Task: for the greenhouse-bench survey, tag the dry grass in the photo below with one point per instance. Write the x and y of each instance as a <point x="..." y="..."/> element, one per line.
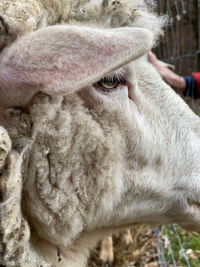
<point x="138" y="254"/>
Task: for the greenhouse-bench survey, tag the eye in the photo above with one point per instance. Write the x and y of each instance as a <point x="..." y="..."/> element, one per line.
<point x="108" y="84"/>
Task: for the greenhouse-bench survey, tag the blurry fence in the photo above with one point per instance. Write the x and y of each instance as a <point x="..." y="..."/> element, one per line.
<point x="180" y="46"/>
<point x="171" y="253"/>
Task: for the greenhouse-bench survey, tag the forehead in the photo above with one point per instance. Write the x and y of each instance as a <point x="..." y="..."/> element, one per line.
<point x="123" y="71"/>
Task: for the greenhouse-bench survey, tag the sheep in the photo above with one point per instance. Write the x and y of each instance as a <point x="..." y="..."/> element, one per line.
<point x="93" y="140"/>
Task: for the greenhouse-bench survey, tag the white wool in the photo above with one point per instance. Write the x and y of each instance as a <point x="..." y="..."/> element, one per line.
<point x="22" y="16"/>
<point x="94" y="160"/>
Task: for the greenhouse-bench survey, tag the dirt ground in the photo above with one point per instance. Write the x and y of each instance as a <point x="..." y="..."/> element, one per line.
<point x="141" y="253"/>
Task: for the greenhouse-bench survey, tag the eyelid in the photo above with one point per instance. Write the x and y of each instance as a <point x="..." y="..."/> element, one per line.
<point x="119" y="77"/>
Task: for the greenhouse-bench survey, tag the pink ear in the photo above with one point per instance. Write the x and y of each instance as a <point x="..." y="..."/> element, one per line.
<point x="62" y="59"/>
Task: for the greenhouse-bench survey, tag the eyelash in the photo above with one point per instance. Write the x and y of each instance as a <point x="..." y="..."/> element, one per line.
<point x="117" y="78"/>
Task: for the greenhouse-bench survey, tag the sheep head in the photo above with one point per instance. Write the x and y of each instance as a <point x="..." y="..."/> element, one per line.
<point x="105" y="142"/>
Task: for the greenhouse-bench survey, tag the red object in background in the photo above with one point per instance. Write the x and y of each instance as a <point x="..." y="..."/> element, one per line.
<point x="196" y="76"/>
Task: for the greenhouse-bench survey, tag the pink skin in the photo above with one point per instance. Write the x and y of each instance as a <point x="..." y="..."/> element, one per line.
<point x="174" y="80"/>
<point x="35" y="63"/>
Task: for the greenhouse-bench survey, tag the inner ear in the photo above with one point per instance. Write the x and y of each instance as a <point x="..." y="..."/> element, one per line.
<point x="62" y="59"/>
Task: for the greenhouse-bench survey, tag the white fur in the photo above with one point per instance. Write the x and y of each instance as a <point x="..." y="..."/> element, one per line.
<point x="87" y="162"/>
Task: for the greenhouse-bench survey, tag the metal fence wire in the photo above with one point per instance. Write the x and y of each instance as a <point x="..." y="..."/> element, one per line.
<point x="179" y="46"/>
<point x="180" y="249"/>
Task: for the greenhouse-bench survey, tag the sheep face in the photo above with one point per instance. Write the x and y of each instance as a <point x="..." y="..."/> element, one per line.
<point x="106" y="152"/>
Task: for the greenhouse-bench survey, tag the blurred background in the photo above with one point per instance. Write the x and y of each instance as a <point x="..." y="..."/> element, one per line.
<point x="180" y="42"/>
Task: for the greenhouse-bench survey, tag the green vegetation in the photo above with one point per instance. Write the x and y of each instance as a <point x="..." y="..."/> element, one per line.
<point x="190" y="242"/>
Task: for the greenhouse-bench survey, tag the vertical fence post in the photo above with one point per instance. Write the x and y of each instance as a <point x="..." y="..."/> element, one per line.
<point x="161" y="253"/>
<point x="197" y="54"/>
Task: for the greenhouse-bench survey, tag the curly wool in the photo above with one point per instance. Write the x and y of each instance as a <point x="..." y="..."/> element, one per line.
<point x="117" y="13"/>
<point x="22" y="16"/>
<point x="59" y="185"/>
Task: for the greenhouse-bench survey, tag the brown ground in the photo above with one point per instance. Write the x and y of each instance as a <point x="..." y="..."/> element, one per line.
<point x="141" y="253"/>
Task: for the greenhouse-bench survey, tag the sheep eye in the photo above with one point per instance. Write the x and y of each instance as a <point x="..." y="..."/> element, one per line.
<point x="109" y="83"/>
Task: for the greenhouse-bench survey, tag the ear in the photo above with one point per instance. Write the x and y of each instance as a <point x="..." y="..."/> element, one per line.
<point x="62" y="59"/>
